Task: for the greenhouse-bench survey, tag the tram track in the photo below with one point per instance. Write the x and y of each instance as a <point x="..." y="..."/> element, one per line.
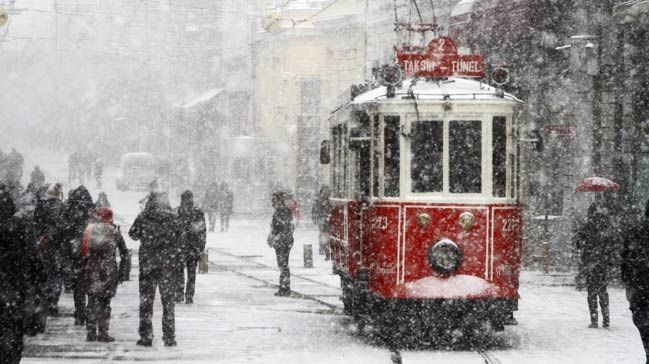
<point x="395" y="354"/>
<point x="233" y="269"/>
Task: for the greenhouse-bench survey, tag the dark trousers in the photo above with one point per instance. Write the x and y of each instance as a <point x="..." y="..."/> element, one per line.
<point x="98" y="312"/>
<point x="79" y="302"/>
<point x="282" y="253"/>
<point x="211" y="218"/>
<point x="598" y="290"/>
<point x="191" y="264"/>
<point x="225" y="222"/>
<point x="150" y="279"/>
<point x="639" y="307"/>
<point x="55" y="285"/>
<point x="11" y="335"/>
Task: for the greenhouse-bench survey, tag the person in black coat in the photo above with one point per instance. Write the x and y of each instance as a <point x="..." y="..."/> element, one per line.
<point x="21" y="274"/>
<point x="635" y="275"/>
<point x="211" y="203"/>
<point x="192" y="240"/>
<point x="598" y="240"/>
<point x="158" y="231"/>
<point x="50" y="227"/>
<point x="77" y="212"/>
<point x="281" y="239"/>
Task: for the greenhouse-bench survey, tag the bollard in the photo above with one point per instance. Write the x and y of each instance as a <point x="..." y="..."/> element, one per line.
<point x="545" y="258"/>
<point x="202" y="262"/>
<point x="308" y="256"/>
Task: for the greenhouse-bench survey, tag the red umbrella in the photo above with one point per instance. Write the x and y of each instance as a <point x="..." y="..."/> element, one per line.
<point x="597" y="184"/>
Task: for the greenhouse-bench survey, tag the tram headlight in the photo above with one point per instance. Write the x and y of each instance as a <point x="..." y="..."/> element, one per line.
<point x="445" y="256"/>
<point x="466" y="221"/>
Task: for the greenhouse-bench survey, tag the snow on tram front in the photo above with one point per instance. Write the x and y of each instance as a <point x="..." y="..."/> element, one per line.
<point x="426" y="223"/>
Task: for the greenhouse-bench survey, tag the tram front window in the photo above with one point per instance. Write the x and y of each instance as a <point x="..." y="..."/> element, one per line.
<point x="427" y="161"/>
<point x="465" y="156"/>
<point x="391" y="156"/>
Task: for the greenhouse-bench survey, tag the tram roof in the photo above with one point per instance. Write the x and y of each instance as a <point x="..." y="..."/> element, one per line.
<point x="448" y="89"/>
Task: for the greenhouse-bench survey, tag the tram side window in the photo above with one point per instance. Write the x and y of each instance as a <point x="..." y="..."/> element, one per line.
<point x="376" y="152"/>
<point x="427" y="161"/>
<point x="465" y="156"/>
<point x="499" y="156"/>
<point x="391" y="156"/>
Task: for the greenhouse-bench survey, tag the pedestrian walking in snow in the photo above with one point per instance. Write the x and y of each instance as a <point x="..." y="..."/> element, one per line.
<point x="597" y="239"/>
<point x="50" y="227"/>
<point x="98" y="171"/>
<point x="100" y="273"/>
<point x="192" y="240"/>
<point x="14" y="163"/>
<point x="211" y="203"/>
<point x="74" y="167"/>
<point x="37" y="178"/>
<point x="158" y="230"/>
<point x="281" y="239"/>
<point x="226" y="203"/>
<point x="77" y="211"/>
<point x="320" y="213"/>
<point x="102" y="200"/>
<point x="635" y="275"/>
<point x="22" y="281"/>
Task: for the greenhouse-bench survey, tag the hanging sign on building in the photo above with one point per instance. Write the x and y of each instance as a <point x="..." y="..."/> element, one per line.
<point x="562" y="131"/>
<point x="439" y="59"/>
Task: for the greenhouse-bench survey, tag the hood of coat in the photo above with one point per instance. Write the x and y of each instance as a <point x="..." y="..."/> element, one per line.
<point x="81" y="196"/>
<point x="157" y="201"/>
<point x="187" y="200"/>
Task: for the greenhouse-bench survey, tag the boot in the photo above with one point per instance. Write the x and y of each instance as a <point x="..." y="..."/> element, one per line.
<point x="104" y="324"/>
<point x="606" y="319"/>
<point x="170" y="342"/>
<point x="144" y="341"/>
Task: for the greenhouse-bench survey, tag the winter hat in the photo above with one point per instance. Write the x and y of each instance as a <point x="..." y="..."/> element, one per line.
<point x="104" y="214"/>
<point x="54" y="192"/>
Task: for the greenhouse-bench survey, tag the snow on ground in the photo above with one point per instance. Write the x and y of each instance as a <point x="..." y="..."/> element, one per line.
<point x="236" y="319"/>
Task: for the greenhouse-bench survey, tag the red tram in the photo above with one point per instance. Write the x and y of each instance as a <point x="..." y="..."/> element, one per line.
<point x="426" y="221"/>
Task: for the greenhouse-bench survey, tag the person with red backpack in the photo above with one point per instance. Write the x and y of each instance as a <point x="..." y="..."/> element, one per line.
<point x="100" y="274"/>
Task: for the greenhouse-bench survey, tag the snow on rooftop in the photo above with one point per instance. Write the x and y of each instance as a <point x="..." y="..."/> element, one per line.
<point x="453" y="89"/>
<point x="206" y="96"/>
<point x="464" y="7"/>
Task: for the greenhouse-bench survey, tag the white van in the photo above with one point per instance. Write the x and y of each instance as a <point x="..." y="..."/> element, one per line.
<point x="136" y="171"/>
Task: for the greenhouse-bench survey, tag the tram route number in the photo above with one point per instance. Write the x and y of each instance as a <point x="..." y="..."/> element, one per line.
<point x="511" y="224"/>
<point x="380" y="222"/>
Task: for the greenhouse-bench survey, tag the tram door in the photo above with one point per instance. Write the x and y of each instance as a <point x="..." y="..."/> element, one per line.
<point x="360" y="174"/>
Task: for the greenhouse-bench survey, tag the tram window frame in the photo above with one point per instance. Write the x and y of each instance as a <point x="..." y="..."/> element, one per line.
<point x="376" y="156"/>
<point x="500" y="161"/>
<point x="459" y="156"/>
<point x="418" y="183"/>
<point x="392" y="156"/>
<point x="359" y="158"/>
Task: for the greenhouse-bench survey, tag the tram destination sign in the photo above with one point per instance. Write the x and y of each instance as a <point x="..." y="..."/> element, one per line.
<point x="439" y="59"/>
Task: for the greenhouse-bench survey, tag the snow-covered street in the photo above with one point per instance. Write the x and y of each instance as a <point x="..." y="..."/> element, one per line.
<point x="236" y="318"/>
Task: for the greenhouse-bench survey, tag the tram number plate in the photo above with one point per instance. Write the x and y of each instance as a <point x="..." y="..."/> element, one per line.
<point x="380" y="222"/>
<point x="511" y="224"/>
